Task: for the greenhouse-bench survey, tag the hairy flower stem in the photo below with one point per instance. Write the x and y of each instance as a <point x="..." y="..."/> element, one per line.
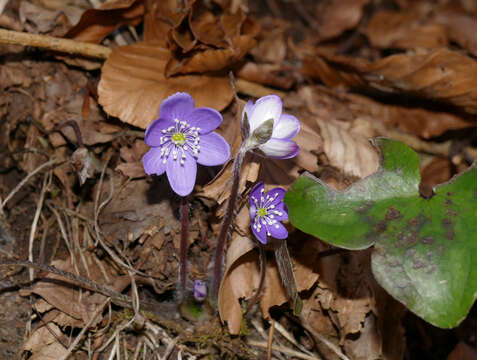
<point x="183" y="247"/>
<point x="227" y="223"/>
<point x="285" y="269"/>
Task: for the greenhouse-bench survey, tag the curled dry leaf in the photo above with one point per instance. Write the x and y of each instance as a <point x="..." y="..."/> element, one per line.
<point x="338" y="16"/>
<point x="330" y="104"/>
<point x="96" y="24"/>
<point x="133" y="84"/>
<point x="242" y="277"/>
<point x="66" y="298"/>
<point x="44" y="345"/>
<point x="405" y="30"/>
<point x="211" y="59"/>
<point x="442" y="75"/>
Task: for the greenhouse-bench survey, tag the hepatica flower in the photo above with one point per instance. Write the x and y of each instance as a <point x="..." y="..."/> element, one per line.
<point x="182" y="137"/>
<point x="268" y="130"/>
<point x="267" y="210"/>
<point x="200" y="290"/>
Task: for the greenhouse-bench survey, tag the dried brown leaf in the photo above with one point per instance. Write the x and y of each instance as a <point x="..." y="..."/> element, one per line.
<point x="43" y="344"/>
<point x="442" y="75"/>
<point x="330" y="104"/>
<point x="211" y="60"/>
<point x="96" y="24"/>
<point x="133" y="84"/>
<point x="242" y="277"/>
<point x="405" y="30"/>
<point x="206" y="26"/>
<point x="337" y="16"/>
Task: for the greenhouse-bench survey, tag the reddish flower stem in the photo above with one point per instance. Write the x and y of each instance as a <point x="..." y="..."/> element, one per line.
<point x="183" y="246"/>
<point x="227" y="223"/>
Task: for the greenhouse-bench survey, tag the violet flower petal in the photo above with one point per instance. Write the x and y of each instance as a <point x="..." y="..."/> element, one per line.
<point x="278" y="231"/>
<point x="280" y="149"/>
<point x="176" y="106"/>
<point x="153" y="163"/>
<point x="200" y="290"/>
<point x="280" y="193"/>
<point x="257" y="189"/>
<point x="265" y="108"/>
<point x="182" y="176"/>
<point x="154" y="133"/>
<point x="260" y="234"/>
<point x="214" y="150"/>
<point x="207" y="119"/>
<point x="283" y="212"/>
<point x="288" y="126"/>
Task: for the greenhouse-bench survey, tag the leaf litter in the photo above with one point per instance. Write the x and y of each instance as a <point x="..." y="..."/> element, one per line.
<point x="349" y="71"/>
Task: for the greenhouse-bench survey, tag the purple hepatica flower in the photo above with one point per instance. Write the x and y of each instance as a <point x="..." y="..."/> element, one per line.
<point x="182" y="137"/>
<point x="267" y="210"/>
<point x="200" y="290"/>
<point x="268" y="130"/>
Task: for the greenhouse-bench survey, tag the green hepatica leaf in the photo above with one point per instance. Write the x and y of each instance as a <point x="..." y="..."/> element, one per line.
<point x="425" y="250"/>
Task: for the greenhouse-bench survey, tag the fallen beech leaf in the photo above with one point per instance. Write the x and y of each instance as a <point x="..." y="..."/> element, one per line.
<point x="272" y="46"/>
<point x="44" y="345"/>
<point x="337" y="16"/>
<point x="206" y="26"/>
<point x="242" y="277"/>
<point x="347" y="150"/>
<point x="133" y="85"/>
<point x="211" y="59"/>
<point x="461" y="27"/>
<point x="96" y="24"/>
<point x="442" y="75"/>
<point x="406" y="30"/>
<point x="267" y="74"/>
<point x="330" y="104"/>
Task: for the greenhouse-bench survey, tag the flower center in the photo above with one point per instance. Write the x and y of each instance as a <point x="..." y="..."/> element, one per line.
<point x="262" y="212"/>
<point x="179" y="139"/>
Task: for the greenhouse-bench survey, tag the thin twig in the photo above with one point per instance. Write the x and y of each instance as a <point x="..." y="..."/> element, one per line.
<point x="34" y="224"/>
<point x="284" y="350"/>
<point x="53" y="43"/>
<point x="324" y="340"/>
<point x="271" y="333"/>
<point x="183" y="247"/>
<point x="28" y="177"/>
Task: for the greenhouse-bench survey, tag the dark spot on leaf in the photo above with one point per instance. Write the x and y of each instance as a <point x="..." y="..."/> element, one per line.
<point x="447" y="222"/>
<point x="392" y="213"/>
<point x="475" y="193"/>
<point x="427" y="240"/>
<point x="449" y="193"/>
<point x="381" y="226"/>
<point x="418" y="264"/>
<point x="450" y="235"/>
<point x="363" y="209"/>
<point x="417" y="222"/>
<point x="448" y="202"/>
<point x="411" y="238"/>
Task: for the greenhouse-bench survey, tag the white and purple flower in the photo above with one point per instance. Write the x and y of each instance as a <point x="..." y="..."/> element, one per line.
<point x="180" y="138"/>
<point x="200" y="290"/>
<point x="268" y="130"/>
<point x="267" y="210"/>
